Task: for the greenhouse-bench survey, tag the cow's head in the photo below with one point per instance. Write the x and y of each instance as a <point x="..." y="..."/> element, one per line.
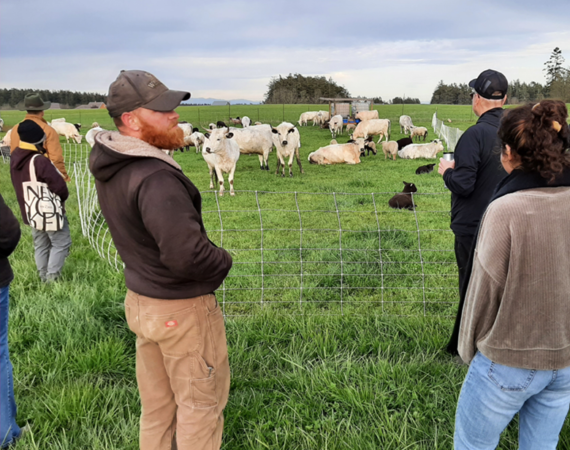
<point x="282" y="134"/>
<point x="215" y="141"/>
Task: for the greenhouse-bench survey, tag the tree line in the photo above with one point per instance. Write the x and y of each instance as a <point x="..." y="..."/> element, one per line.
<point x="15" y="97"/>
<point x="459" y="94"/>
<point x="557" y="86"/>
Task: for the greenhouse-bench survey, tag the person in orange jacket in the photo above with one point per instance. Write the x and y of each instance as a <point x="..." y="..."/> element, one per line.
<point x="35" y="107"/>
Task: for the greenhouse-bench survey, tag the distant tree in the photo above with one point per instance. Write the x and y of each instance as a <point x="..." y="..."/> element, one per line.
<point x="405" y="100"/>
<point x="554" y="67"/>
<point x="15" y="97"/>
<point x="560" y="87"/>
<point x="298" y="88"/>
<point x="378" y="101"/>
<point x="451" y="94"/>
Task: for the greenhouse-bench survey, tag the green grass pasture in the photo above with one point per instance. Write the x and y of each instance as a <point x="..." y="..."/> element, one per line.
<point x="367" y="379"/>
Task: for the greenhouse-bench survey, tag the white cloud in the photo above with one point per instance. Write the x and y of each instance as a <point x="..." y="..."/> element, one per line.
<point x="235" y="52"/>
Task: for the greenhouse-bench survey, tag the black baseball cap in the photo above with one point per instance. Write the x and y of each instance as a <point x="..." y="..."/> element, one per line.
<point x="139" y="89"/>
<point x="490" y="84"/>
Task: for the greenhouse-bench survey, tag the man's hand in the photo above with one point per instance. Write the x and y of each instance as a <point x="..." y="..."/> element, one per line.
<point x="444" y="165"/>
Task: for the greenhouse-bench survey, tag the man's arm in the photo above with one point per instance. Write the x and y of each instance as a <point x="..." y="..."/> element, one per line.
<point x="47" y="173"/>
<point x="170" y="217"/>
<point x="461" y="179"/>
<point x="54" y="151"/>
<point x="9" y="230"/>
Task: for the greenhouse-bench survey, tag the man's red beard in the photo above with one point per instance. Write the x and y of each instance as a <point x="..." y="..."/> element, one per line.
<point x="162" y="138"/>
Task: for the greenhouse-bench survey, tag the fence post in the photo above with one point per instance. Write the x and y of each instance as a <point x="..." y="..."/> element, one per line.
<point x="283" y="112"/>
<point x="199" y="121"/>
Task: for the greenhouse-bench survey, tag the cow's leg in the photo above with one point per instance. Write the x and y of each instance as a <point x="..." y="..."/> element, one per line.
<point x="220" y="179"/>
<point x="211" y="177"/>
<point x="231" y="179"/>
<point x="266" y="158"/>
<point x="290" y="165"/>
<point x="260" y="161"/>
<point x="277" y="169"/>
<point x="299" y="159"/>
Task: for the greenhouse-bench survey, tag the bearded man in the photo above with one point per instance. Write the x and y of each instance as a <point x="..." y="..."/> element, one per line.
<point x="182" y="369"/>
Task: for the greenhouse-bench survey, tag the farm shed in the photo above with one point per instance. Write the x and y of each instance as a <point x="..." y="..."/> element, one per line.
<point x="220" y="103"/>
<point x="348" y="107"/>
<point x="92" y="105"/>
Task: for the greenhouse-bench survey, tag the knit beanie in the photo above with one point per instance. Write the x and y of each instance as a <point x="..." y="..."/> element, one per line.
<point x="31" y="132"/>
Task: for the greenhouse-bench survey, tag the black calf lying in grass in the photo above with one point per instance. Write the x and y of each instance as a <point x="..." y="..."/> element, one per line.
<point x="425" y="169"/>
<point x="403" y="142"/>
<point x="404" y="199"/>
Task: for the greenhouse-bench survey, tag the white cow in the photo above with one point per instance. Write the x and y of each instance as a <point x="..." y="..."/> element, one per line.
<point x="367" y="115"/>
<point x="61" y="119"/>
<point x="405" y="124"/>
<point x="339" y="154"/>
<point x="414" y="151"/>
<point x="335" y="125"/>
<point x="197" y="139"/>
<point x="90" y="136"/>
<point x="245" y="121"/>
<point x="221" y="153"/>
<point x="255" y="140"/>
<point x="67" y="130"/>
<point x="1" y="124"/>
<point x="287" y="141"/>
<point x="306" y="116"/>
<point x="374" y="127"/>
<point x="322" y="117"/>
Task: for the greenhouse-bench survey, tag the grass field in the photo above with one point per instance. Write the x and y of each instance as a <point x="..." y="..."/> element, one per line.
<point x="358" y="381"/>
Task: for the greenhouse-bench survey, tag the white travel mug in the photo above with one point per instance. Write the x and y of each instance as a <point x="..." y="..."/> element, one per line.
<point x="448" y="156"/>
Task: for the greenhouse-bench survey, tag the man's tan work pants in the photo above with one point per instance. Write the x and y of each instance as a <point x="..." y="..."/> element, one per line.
<point x="183" y="371"/>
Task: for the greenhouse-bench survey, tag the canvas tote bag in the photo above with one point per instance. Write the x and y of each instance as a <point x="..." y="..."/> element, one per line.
<point x="43" y="207"/>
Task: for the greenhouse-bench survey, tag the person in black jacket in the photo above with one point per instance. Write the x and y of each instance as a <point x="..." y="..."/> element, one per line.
<point x="476" y="170"/>
<point x="51" y="248"/>
<point x="9" y="238"/>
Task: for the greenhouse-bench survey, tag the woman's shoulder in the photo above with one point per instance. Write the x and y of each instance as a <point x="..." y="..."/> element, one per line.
<point x="539" y="200"/>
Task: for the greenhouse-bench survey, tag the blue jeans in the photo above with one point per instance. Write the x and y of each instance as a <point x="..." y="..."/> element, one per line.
<point x="491" y="396"/>
<point x="9" y="430"/>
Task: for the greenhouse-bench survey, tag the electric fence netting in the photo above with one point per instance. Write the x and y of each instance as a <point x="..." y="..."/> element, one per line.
<point x="317" y="253"/>
<point x="448" y="134"/>
<point x="72" y="153"/>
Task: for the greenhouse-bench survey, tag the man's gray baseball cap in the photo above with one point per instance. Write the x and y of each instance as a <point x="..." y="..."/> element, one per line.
<point x="139" y="89"/>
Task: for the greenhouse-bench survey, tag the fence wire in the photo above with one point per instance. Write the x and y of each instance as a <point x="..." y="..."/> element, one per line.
<point x="448" y="134"/>
<point x="315" y="253"/>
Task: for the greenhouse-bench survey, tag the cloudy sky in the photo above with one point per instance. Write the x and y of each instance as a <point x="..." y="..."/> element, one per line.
<point x="231" y="49"/>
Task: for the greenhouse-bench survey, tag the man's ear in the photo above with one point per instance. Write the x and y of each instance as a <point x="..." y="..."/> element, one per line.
<point x="131" y="121"/>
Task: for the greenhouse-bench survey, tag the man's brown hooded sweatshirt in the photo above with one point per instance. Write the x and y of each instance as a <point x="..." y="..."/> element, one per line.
<point x="51" y="144"/>
<point x="154" y="215"/>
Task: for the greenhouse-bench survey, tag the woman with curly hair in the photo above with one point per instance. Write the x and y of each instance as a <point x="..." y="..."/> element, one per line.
<point x="515" y="329"/>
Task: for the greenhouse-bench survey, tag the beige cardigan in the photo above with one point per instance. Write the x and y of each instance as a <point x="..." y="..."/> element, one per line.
<point x="517" y="307"/>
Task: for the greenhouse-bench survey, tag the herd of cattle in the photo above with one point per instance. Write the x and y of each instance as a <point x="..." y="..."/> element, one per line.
<point x="221" y="144"/>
